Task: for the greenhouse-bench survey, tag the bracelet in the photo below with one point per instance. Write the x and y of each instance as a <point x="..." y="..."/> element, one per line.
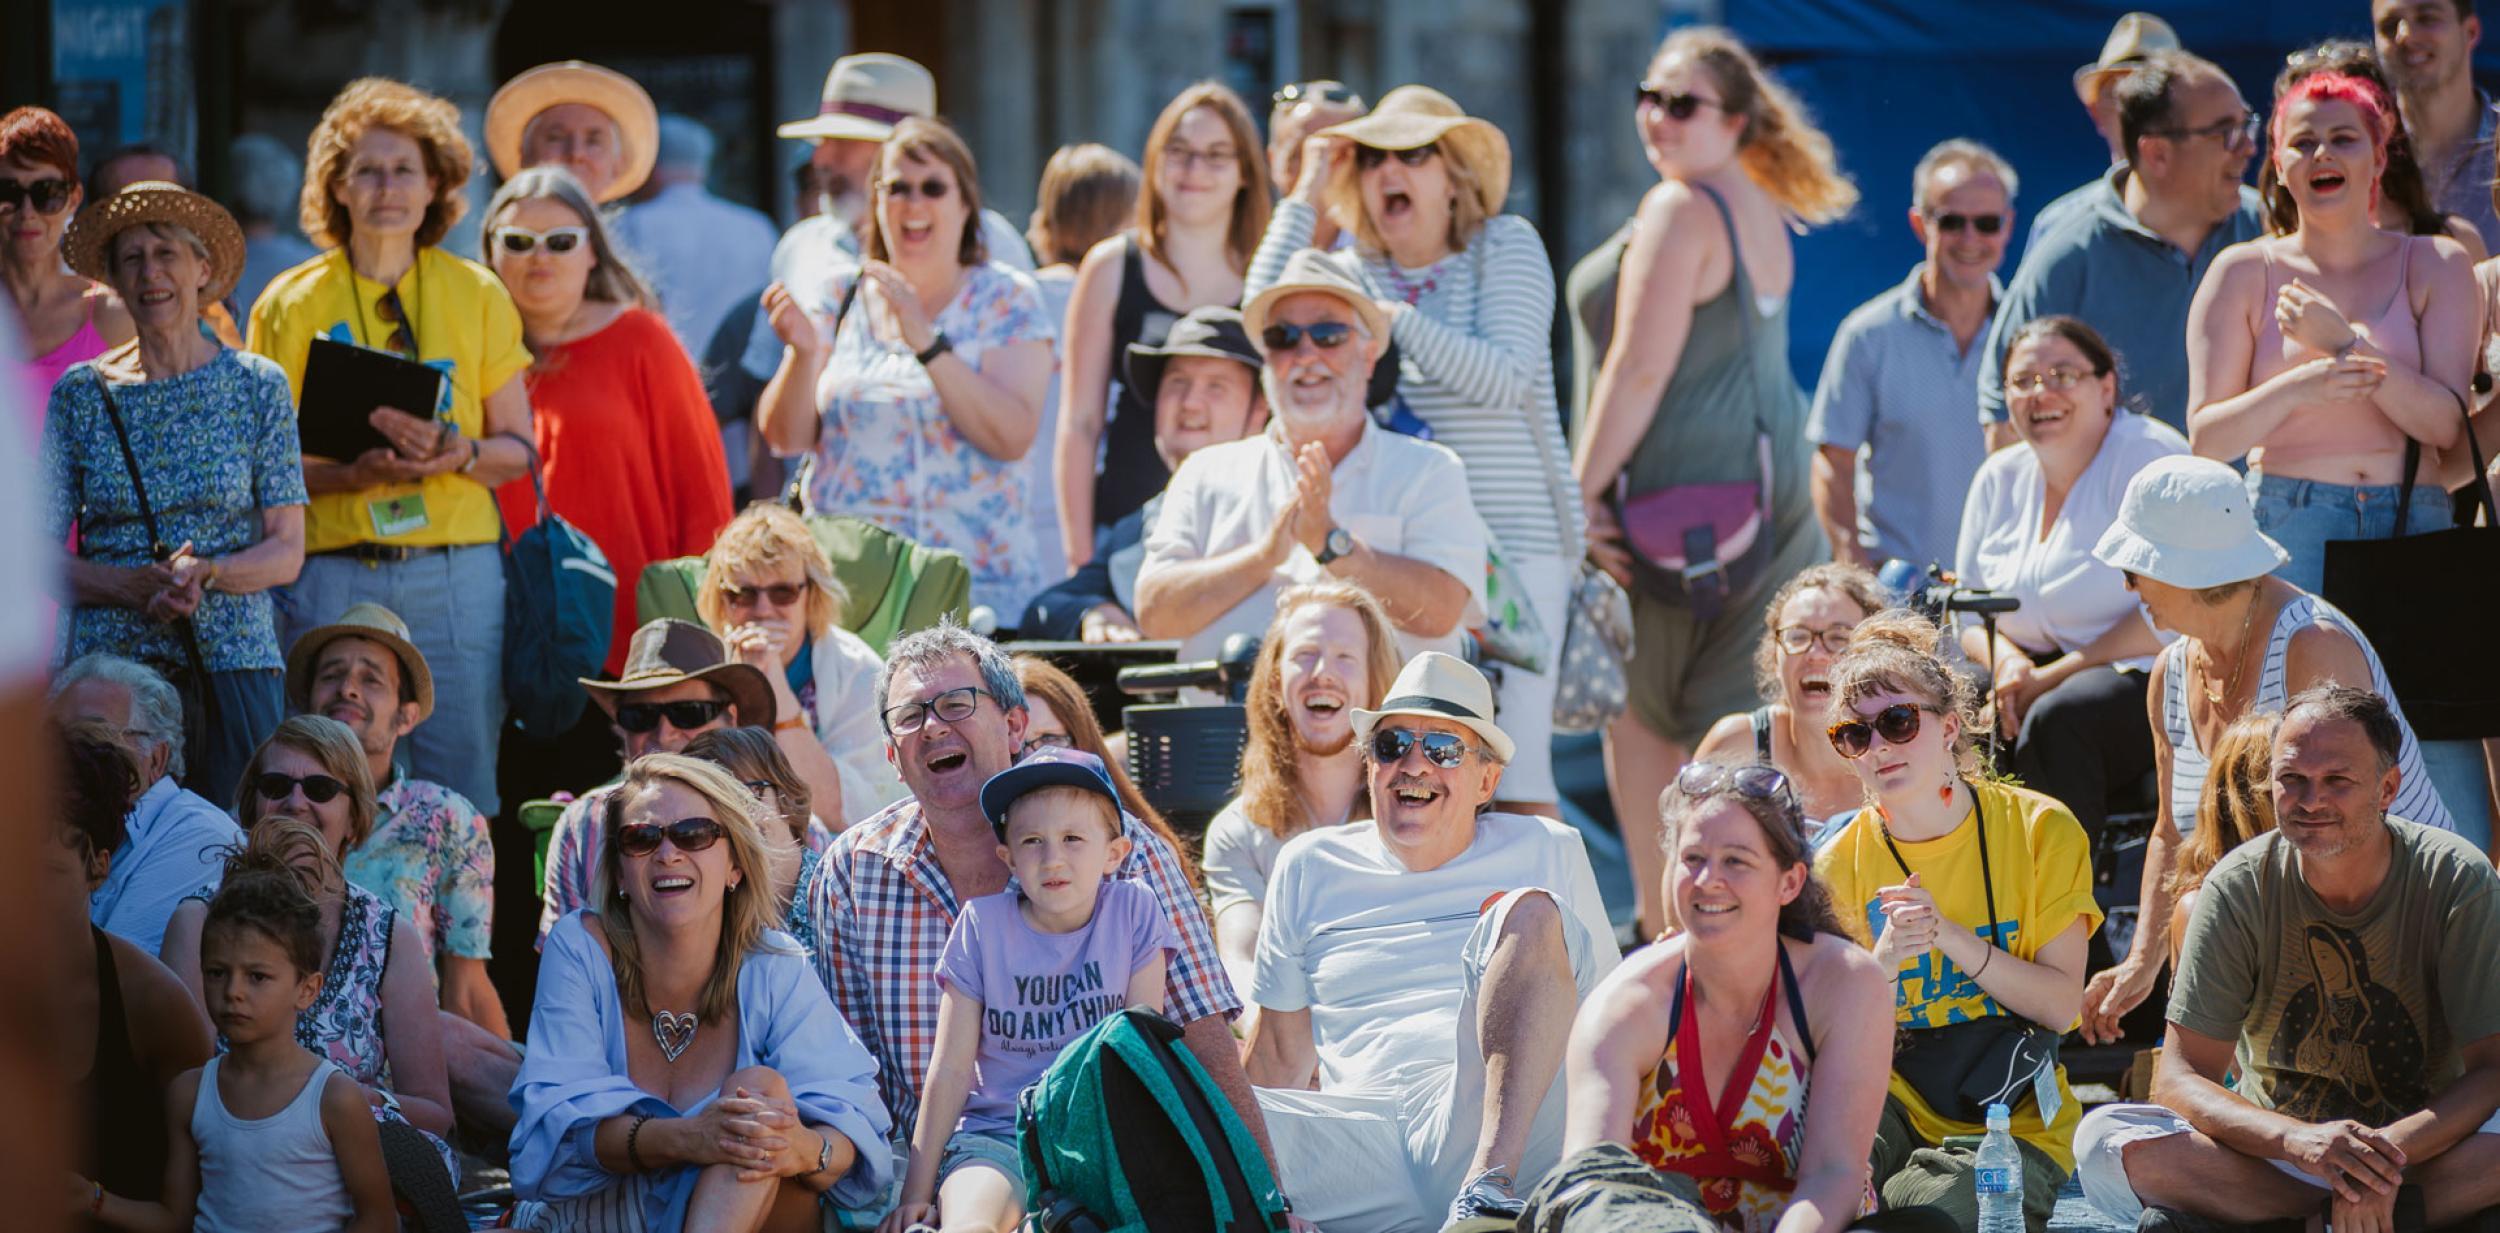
<point x="477" y="448"/>
<point x="1990" y="957"/>
<point x="792" y="724"/>
<point x="633" y="1154"/>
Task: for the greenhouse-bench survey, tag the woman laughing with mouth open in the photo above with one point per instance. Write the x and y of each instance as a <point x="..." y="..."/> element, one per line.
<point x="1804" y="630"/>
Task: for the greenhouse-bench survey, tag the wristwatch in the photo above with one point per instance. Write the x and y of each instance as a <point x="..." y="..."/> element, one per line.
<point x="1340" y="543"/>
<point x="938" y="346"/>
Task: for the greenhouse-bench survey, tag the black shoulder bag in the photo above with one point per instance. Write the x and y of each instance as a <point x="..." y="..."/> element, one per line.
<point x="201" y="699"/>
<point x="1962" y="1068"/>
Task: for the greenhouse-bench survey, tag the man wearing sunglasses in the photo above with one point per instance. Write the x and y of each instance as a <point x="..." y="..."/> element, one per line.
<point x="1417" y="975"/>
<point x="1902" y="380"/>
<point x="678" y="683"/>
<point x="1323" y="493"/>
<point x="2127" y="258"/>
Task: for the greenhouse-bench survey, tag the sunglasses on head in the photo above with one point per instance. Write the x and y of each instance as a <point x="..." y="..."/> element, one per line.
<point x="1984" y="224"/>
<point x="689" y="834"/>
<point x="1298" y="91"/>
<point x="1368" y="157"/>
<point x="518" y="240"/>
<point x="1677" y="106"/>
<point x="684" y="716"/>
<point x="783" y="594"/>
<point x="47" y="196"/>
<point x="319" y="789"/>
<point x="931" y="189"/>
<point x="1325" y="335"/>
<point x="1754" y="781"/>
<point x="1442" y="749"/>
<point x="1898" y="724"/>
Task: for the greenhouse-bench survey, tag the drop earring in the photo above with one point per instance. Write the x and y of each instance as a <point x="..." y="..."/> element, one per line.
<point x="1944" y="794"/>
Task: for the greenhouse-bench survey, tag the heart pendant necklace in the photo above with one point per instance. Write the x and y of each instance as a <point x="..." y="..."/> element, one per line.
<point x="674" y="1031"/>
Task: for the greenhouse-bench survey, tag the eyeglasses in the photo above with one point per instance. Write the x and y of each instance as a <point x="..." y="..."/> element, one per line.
<point x="319" y="789"/>
<point x="2060" y="379"/>
<point x="2234" y="133"/>
<point x="1042" y="740"/>
<point x="1898" y="724"/>
<point x="931" y="189"/>
<point x="685" y="716"/>
<point x="1325" y="335"/>
<point x="1952" y="224"/>
<point x="953" y="706"/>
<point x="1794" y="639"/>
<point x="1754" y="780"/>
<point x="1442" y="749"/>
<point x="47" y="196"/>
<point x="517" y="240"/>
<point x="783" y="594"/>
<point x="689" y="834"/>
<point x="1188" y="158"/>
<point x="1368" y="157"/>
<point x="1330" y="92"/>
<point x="1677" y="106"/>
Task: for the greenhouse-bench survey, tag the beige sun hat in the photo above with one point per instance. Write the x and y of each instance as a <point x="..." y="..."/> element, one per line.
<point x="156" y="201"/>
<point x="1412" y="116"/>
<point x="865" y="96"/>
<point x="1437" y="686"/>
<point x="2136" y="36"/>
<point x="509" y="113"/>
<point x="1312" y="270"/>
<point x="373" y="623"/>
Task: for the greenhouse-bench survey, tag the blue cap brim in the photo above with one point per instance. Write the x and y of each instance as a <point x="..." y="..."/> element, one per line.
<point x="1003" y="788"/>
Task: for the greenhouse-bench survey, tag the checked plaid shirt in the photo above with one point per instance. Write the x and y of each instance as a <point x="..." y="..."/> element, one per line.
<point x="881" y="910"/>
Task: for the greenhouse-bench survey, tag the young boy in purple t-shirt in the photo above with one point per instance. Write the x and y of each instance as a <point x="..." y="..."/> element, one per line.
<point x="1026" y="971"/>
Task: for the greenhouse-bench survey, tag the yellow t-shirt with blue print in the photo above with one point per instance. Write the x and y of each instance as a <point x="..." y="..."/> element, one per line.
<point x="2042" y="867"/>
<point x="465" y="326"/>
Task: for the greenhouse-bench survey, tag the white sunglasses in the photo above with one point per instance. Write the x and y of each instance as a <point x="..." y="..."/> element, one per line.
<point x="558" y="240"/>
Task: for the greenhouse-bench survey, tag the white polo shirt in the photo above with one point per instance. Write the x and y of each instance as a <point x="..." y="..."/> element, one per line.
<point x="1394" y="493"/>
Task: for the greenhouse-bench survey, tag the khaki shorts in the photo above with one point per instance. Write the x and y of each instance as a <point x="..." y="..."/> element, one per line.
<point x="1684" y="673"/>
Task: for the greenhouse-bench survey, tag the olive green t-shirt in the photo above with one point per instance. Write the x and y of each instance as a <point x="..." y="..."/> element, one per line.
<point x="2345" y="1015"/>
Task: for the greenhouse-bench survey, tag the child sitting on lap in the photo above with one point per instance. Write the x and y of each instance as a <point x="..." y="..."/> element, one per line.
<point x="1027" y="971"/>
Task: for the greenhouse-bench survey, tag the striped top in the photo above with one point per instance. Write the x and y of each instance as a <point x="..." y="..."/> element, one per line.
<point x="1475" y="360"/>
<point x="2417" y="799"/>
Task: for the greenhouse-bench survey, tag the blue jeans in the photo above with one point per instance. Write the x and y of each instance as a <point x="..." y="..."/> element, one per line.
<point x="453" y="604"/>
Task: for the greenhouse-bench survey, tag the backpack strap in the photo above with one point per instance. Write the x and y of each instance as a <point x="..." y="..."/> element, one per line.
<point x="1761" y="720"/>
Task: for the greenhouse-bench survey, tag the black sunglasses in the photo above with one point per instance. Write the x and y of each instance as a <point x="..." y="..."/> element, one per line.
<point x="931" y="189"/>
<point x="1898" y="724"/>
<point x="689" y="834"/>
<point x="1442" y="749"/>
<point x="1368" y="157"/>
<point x="783" y="594"/>
<point x="1332" y="92"/>
<point x="1984" y="224"/>
<point x="1325" y="335"/>
<point x="319" y="789"/>
<point x="48" y="196"/>
<point x="684" y="716"/>
<point x="1677" y="106"/>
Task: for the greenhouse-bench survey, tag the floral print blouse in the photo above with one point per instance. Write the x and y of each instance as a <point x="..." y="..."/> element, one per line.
<point x="429" y="857"/>
<point x="887" y="453"/>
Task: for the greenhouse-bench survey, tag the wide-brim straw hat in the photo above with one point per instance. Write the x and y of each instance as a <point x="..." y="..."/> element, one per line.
<point x="1312" y="270"/>
<point x="865" y="96"/>
<point x="90" y="238"/>
<point x="373" y="623"/>
<point x="2189" y="522"/>
<point x="2136" y="36"/>
<point x="1412" y="116"/>
<point x="667" y="652"/>
<point x="509" y="113"/>
<point x="1437" y="686"/>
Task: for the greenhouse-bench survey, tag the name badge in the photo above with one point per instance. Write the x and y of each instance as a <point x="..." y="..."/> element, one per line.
<point x="393" y="516"/>
<point x="2044" y="1090"/>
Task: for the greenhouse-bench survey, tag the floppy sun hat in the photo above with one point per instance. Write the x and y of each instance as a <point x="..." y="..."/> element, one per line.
<point x="1412" y="116"/>
<point x="1311" y="270"/>
<point x="615" y="95"/>
<point x="2188" y="522"/>
<point x="90" y="238"/>
<point x="865" y="96"/>
<point x="373" y="623"/>
<point x="1437" y="686"/>
<point x="1051" y="766"/>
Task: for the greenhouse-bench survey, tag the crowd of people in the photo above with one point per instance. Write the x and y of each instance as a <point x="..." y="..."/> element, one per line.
<point x="819" y="901"/>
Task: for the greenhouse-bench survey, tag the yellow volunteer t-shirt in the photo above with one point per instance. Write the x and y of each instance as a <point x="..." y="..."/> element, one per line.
<point x="2042" y="867"/>
<point x="464" y="324"/>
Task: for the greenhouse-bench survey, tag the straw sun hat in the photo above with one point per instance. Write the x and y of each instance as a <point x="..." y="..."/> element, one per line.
<point x="1412" y="116"/>
<point x="614" y="94"/>
<point x="156" y="201"/>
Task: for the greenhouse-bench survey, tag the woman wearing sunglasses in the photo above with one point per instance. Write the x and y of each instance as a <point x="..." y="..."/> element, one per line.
<point x="915" y="385"/>
<point x="1805" y="628"/>
<point x="1469" y="295"/>
<point x="1724" y="1068"/>
<point x="1701" y="276"/>
<point x="376" y="1018"/>
<point x="1976" y="897"/>
<point x="2070" y="662"/>
<point x="626" y="441"/>
<point x="686" y="1069"/>
<point x="409" y="523"/>
<point x="64" y="318"/>
<point x="1201" y="207"/>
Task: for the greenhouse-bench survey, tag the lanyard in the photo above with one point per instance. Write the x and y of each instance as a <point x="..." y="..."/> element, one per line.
<point x="407" y="319"/>
<point x="1987" y="881"/>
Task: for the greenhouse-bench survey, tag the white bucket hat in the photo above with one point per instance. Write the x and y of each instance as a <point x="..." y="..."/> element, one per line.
<point x="1437" y="686"/>
<point x="865" y="97"/>
<point x="2188" y="522"/>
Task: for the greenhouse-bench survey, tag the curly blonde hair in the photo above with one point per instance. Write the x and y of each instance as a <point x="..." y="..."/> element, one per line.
<point x="1897" y="651"/>
<point x="366" y="104"/>
<point x="765" y="537"/>
<point x="1780" y="148"/>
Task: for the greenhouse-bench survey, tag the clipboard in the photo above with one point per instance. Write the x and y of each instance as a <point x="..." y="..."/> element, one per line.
<point x="344" y="383"/>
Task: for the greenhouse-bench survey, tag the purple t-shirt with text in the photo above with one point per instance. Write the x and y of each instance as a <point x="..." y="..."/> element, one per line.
<point x="1039" y="991"/>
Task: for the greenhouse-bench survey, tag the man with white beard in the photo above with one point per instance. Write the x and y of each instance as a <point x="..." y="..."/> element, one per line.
<point x="1323" y="493"/>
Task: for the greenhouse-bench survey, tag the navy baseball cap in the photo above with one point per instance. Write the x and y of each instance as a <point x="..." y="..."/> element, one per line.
<point x="1048" y="767"/>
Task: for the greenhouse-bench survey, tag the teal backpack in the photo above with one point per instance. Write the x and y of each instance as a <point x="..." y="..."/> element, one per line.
<point x="1126" y="1133"/>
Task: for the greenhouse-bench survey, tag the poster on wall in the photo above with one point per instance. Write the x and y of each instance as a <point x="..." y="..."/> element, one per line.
<point x="122" y="71"/>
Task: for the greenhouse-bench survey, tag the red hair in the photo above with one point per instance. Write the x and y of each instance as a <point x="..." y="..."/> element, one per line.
<point x="2362" y="93"/>
<point x="37" y="135"/>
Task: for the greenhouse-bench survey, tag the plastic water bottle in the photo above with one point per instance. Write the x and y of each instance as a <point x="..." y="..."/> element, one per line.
<point x="2000" y="1176"/>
